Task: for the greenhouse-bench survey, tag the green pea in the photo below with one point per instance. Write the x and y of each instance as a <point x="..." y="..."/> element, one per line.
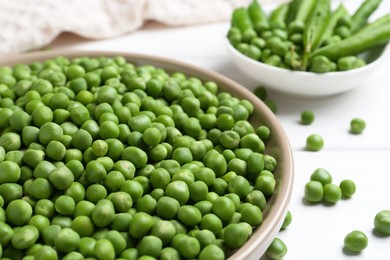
<point x="41" y="188"/>
<point x="314" y="191"/>
<point x="55" y="150"/>
<point x="6" y="233"/>
<point x="164" y="230"/>
<point x="211" y="222"/>
<point x="287" y="220"/>
<point x="46" y="252"/>
<point x="252" y="215"/>
<point x="277" y="250"/>
<point x="235" y="235"/>
<point x="169" y="253"/>
<point x="50" y="132"/>
<point x="96" y="192"/>
<point x="141" y="224"/>
<point x="357" y="126"/>
<point x="25" y="237"/>
<point x="135" y="155"/>
<point x="332" y="193"/>
<point x="19" y="119"/>
<point x="10" y="141"/>
<point x="382" y="222"/>
<point x="179" y="191"/>
<point x="355" y="241"/>
<point x="65" y="205"/>
<point x="265" y="184"/>
<point x="95" y="171"/>
<point x="314" y="142"/>
<point x="321" y="175"/>
<point x="84" y="208"/>
<point x="307" y="117"/>
<point x="61" y="178"/>
<point x="150" y="245"/>
<point x="9" y="172"/>
<point x="187" y="246"/>
<point x="167" y="207"/>
<point x="211" y="252"/>
<point x="103" y="214"/>
<point x="18" y="212"/>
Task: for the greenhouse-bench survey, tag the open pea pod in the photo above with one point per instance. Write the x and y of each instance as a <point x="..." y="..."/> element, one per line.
<point x="315" y="28"/>
<point x="340" y="12"/>
<point x="299" y="13"/>
<point x="371" y="35"/>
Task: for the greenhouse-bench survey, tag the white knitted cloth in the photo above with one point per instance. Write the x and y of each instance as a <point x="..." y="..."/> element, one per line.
<point x="31" y="24"/>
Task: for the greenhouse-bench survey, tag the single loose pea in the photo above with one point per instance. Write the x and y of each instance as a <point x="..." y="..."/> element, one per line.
<point x="357" y="126"/>
<point x="287" y="220"/>
<point x="356" y="241"/>
<point x="321" y="175"/>
<point x="332" y="193"/>
<point x="277" y="250"/>
<point x="382" y="222"/>
<point x="314" y="142"/>
<point x="314" y="191"/>
<point x="307" y="117"/>
<point x="348" y="188"/>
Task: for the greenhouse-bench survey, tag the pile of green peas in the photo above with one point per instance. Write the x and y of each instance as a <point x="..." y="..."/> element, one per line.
<point x="100" y="158"/>
<point x="307" y="35"/>
<point x="320" y="187"/>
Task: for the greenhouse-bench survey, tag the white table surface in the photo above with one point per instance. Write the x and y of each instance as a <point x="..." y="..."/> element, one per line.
<point x="317" y="231"/>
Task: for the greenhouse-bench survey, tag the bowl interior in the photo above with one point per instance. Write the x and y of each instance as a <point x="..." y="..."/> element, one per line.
<point x="277" y="146"/>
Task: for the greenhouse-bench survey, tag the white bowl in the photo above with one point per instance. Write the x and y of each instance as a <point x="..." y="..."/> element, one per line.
<point x="307" y="84"/>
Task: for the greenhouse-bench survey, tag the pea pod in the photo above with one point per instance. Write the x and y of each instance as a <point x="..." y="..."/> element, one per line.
<point x="305" y="9"/>
<point x="241" y="19"/>
<point x="258" y="17"/>
<point x="332" y="23"/>
<point x="315" y="27"/>
<point x="373" y="34"/>
<point x="303" y="12"/>
<point x="278" y="17"/>
<point x="293" y="10"/>
<point x="360" y="17"/>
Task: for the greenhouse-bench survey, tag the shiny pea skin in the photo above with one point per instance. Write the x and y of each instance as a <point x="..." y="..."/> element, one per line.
<point x="103" y="214"/>
<point x="25" y="237"/>
<point x="277" y="250"/>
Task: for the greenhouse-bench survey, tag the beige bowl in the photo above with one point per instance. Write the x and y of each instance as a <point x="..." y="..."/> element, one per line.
<point x="278" y="145"/>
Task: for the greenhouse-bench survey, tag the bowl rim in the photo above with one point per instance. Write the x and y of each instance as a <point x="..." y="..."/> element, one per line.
<point x="275" y="213"/>
<point x="298" y="73"/>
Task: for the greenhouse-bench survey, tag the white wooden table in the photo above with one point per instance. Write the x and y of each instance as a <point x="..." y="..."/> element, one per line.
<point x="317" y="231"/>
